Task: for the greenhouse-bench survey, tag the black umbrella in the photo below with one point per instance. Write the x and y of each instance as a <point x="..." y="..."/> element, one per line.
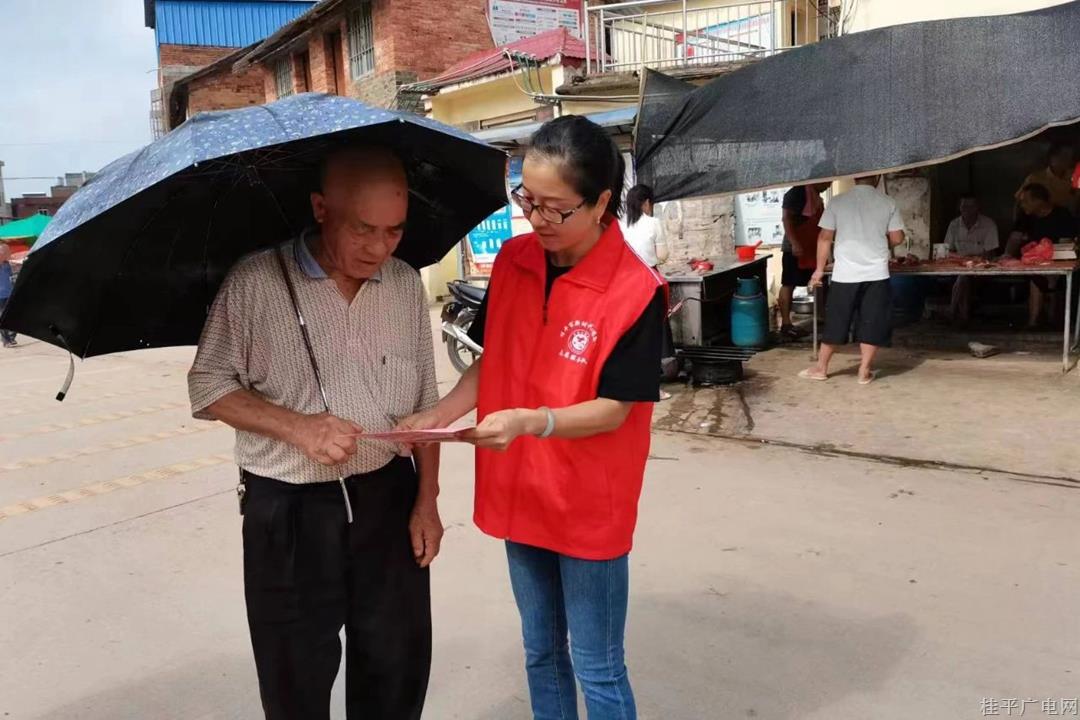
<point x="135" y="258"/>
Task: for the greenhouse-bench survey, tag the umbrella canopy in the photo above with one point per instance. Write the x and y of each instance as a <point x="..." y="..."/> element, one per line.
<point x="135" y="257"/>
<point x="25" y="229"/>
<point x="874" y="101"/>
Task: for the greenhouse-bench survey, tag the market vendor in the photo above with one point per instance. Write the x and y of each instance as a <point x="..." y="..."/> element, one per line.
<point x="972" y="234"/>
<point x="1056" y="177"/>
<point x="802" y="208"/>
<point x="1040" y="218"/>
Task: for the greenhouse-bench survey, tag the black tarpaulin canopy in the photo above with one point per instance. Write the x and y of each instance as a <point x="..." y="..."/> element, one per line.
<point x="874" y="101"/>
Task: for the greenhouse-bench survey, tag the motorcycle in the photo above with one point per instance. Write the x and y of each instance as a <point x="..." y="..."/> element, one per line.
<point x="457" y="317"/>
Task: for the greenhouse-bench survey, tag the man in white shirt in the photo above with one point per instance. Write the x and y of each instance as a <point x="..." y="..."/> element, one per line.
<point x="971" y="235"/>
<point x="864" y="225"/>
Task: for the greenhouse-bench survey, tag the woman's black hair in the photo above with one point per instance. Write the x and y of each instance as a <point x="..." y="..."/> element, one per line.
<point x="590" y="159"/>
<point x="635" y="201"/>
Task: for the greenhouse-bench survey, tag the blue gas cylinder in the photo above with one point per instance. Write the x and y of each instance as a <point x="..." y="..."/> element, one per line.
<point x="749" y="315"/>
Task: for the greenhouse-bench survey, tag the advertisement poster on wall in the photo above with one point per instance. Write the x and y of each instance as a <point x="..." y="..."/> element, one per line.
<point x="484" y="241"/>
<point x="759" y="217"/>
<point x="513" y="20"/>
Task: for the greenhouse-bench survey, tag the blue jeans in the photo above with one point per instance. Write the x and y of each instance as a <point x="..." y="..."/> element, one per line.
<point x="556" y="594"/>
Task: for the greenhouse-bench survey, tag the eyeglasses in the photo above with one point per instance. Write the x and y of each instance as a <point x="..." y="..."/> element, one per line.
<point x="549" y="214"/>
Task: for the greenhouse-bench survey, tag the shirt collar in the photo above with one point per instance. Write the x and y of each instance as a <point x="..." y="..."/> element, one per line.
<point x="594" y="271"/>
<point x="307" y="262"/>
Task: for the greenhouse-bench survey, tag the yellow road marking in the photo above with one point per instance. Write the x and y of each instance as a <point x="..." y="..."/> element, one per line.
<point x="106" y="447"/>
<point x="91" y="420"/>
<point x="53" y="379"/>
<point x="80" y="400"/>
<point x="107" y="486"/>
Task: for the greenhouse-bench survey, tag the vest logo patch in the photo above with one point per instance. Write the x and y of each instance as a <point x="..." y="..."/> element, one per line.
<point x="578" y="336"/>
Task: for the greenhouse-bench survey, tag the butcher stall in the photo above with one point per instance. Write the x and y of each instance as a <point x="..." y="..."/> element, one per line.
<point x="701" y="316"/>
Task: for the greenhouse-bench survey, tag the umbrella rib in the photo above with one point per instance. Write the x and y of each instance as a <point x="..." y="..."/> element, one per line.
<point x="276" y="119"/>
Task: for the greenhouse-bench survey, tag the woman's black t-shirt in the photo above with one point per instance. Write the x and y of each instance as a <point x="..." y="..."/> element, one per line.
<point x="632" y="371"/>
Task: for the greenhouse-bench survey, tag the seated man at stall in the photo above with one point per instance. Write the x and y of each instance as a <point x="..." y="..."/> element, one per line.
<point x="970" y="235"/>
<point x="1040" y="218"/>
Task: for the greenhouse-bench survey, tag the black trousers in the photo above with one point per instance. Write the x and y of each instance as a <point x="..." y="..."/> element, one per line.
<point x="308" y="573"/>
<point x="864" y="306"/>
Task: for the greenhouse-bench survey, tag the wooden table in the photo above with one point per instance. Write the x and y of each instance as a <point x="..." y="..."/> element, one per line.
<point x="1064" y="268"/>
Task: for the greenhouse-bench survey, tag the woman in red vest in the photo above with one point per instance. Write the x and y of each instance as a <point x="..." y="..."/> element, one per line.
<point x="571" y="328"/>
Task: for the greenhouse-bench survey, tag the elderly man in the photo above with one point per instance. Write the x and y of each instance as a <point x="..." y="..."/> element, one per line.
<point x="970" y="235"/>
<point x="338" y="531"/>
<point x="5" y="291"/>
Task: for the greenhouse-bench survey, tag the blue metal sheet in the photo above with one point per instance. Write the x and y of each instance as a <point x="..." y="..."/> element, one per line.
<point x="222" y="23"/>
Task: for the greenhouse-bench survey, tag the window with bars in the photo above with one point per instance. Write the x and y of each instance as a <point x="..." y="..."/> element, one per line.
<point x="283" y="77"/>
<point x="361" y="41"/>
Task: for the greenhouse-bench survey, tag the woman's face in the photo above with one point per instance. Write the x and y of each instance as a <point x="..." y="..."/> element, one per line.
<point x="543" y="185"/>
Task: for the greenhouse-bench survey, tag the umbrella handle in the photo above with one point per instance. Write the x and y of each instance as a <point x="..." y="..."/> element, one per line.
<point x="71" y="365"/>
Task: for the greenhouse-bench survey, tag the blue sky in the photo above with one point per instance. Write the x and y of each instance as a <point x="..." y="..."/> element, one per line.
<point x="75" y="93"/>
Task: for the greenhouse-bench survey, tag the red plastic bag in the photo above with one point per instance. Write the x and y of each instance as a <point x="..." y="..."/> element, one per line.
<point x="1037" y="252"/>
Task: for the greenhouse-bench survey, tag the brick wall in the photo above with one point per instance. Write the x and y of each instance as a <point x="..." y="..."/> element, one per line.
<point x="414" y="39"/>
<point x="299" y="72"/>
<point x="224" y="90"/>
<point x="176" y="61"/>
<point x="269" y="83"/>
<point x="380" y="88"/>
<point x="384" y="17"/>
<point x="322" y="67"/>
<point x="24" y="207"/>
<point x="431" y="35"/>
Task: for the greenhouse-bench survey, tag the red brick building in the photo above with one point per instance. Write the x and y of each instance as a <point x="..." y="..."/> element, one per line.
<point x="197" y="43"/>
<point x="368" y="49"/>
<point x="34" y="203"/>
<point x="214" y="87"/>
<point x="40" y="203"/>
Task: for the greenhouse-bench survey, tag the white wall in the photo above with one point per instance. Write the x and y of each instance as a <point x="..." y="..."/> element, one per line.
<point x="870" y="14"/>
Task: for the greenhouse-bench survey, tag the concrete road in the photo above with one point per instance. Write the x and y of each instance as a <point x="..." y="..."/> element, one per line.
<point x="768" y="582"/>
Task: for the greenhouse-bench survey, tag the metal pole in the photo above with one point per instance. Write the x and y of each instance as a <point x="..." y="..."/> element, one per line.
<point x="817" y="299"/>
<point x="1068" y="321"/>
<point x="644" y="31"/>
<point x="602" y="42"/>
<point x="588" y="32"/>
<point x="685" y="37"/>
<point x="1076" y="330"/>
<point x="775" y="28"/>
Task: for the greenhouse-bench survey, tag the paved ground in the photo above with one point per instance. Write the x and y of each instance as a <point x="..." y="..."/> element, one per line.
<point x="1011" y="412"/>
<point x="779" y="582"/>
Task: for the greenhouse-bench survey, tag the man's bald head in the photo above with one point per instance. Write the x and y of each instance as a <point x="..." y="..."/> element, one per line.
<point x="350" y="166"/>
<point x="361" y="207"/>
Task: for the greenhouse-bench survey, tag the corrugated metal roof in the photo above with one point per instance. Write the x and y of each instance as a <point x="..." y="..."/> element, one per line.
<point x="222" y="23"/>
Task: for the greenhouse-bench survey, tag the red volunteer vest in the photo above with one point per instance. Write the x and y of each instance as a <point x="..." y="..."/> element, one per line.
<point x="575" y="497"/>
